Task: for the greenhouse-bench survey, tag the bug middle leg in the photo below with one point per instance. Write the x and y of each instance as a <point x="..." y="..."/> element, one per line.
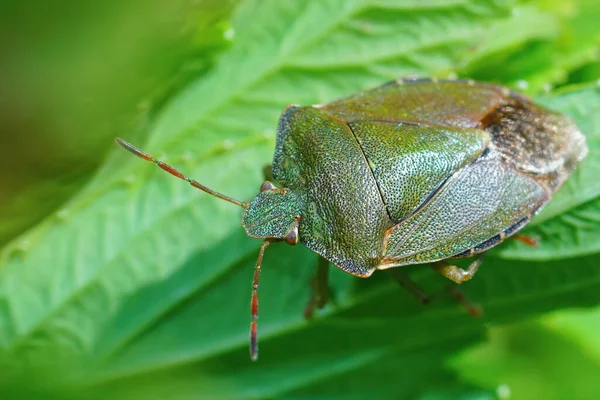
<point x="319" y="294"/>
<point x="402" y="278"/>
<point x="455" y="273"/>
<point x="472" y="308"/>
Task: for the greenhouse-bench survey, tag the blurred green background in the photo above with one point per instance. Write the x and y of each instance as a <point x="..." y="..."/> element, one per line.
<point x="117" y="281"/>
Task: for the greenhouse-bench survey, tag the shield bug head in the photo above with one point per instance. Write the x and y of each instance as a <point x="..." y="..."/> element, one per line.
<point x="273" y="214"/>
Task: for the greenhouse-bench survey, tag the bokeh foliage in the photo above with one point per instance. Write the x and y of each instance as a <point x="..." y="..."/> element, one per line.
<point x="116" y="280"/>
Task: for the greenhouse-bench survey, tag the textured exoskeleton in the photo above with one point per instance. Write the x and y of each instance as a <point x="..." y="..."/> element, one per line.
<point x="414" y="171"/>
<point x="418" y="171"/>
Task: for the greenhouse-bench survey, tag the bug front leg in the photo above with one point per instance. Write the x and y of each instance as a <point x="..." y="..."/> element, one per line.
<point x="319" y="294"/>
<point x="254" y="302"/>
<point x="455" y="273"/>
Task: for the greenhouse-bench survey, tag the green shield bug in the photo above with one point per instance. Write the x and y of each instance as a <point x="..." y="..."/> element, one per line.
<point x="414" y="171"/>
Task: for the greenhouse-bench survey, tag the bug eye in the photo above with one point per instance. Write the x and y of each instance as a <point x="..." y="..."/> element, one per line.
<point x="292" y="237"/>
<point x="267" y="186"/>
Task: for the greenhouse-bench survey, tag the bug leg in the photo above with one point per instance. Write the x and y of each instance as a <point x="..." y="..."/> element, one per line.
<point x="455" y="273"/>
<point x="472" y="308"/>
<point x="528" y="240"/>
<point x="400" y="277"/>
<point x="319" y="288"/>
<point x="254" y="302"/>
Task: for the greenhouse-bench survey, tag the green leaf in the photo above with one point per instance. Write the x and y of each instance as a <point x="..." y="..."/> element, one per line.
<point x="140" y="284"/>
<point x="549" y="41"/>
<point x="63" y="97"/>
<point x="518" y="356"/>
<point x="580" y="326"/>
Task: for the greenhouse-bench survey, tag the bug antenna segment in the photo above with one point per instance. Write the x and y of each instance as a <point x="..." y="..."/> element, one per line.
<point x="166" y="167"/>
<point x="254" y="303"/>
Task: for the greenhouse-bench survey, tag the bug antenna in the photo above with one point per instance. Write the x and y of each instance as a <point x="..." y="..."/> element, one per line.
<point x="128" y="146"/>
<point x="254" y="303"/>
